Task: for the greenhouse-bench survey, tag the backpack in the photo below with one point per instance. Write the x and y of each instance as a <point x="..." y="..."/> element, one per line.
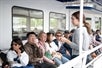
<point x="5" y="63"/>
<point x="3" y="57"/>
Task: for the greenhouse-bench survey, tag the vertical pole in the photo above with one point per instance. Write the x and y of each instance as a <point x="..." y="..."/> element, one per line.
<point x="81" y="38"/>
<point x="80" y="26"/>
<point x="69" y="20"/>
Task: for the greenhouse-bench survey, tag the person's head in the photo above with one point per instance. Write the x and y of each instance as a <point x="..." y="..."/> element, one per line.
<point x="50" y="37"/>
<point x="66" y="33"/>
<point x="76" y="20"/>
<point x="98" y="32"/>
<point x="72" y="31"/>
<point x="17" y="44"/>
<point x="32" y="37"/>
<point x="42" y="36"/>
<point x="58" y="35"/>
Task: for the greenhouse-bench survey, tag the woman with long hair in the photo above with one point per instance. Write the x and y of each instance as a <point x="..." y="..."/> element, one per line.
<point x="51" y="48"/>
<point x="86" y="31"/>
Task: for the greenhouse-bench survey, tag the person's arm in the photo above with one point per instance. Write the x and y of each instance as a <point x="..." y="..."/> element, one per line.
<point x="48" y="60"/>
<point x="10" y="57"/>
<point x="24" y="58"/>
<point x="44" y="57"/>
<point x="67" y="52"/>
<point x="72" y="44"/>
<point x="96" y="42"/>
<point x="84" y="39"/>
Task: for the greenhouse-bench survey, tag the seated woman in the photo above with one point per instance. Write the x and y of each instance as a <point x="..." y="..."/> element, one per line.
<point x="51" y="49"/>
<point x="17" y="57"/>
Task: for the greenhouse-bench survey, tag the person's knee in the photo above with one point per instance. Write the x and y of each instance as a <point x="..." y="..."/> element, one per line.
<point x="57" y="61"/>
<point x="64" y="59"/>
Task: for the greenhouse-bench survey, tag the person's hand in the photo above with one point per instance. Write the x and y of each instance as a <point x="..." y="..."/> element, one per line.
<point x="67" y="52"/>
<point x="63" y="39"/>
<point x="6" y="66"/>
<point x="93" y="55"/>
<point x="18" y="52"/>
<point x="53" y="62"/>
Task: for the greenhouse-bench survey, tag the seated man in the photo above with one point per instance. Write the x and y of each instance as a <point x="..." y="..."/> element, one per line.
<point x="61" y="46"/>
<point x="35" y="52"/>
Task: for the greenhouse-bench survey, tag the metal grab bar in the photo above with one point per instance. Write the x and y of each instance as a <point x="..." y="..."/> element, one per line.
<point x="81" y="59"/>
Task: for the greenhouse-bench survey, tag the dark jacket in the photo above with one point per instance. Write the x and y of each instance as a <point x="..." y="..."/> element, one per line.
<point x="35" y="53"/>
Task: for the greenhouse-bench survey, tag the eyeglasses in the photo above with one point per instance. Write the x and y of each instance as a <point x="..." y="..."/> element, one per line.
<point x="58" y="35"/>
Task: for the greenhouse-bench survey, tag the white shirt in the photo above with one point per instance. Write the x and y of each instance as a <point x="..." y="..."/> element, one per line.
<point x="53" y="47"/>
<point x="60" y="44"/>
<point x="24" y="58"/>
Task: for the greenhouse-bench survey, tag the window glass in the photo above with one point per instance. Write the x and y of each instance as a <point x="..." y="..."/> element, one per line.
<point x="36" y="25"/>
<point x="57" y="21"/>
<point x="97" y="23"/>
<point x="25" y="20"/>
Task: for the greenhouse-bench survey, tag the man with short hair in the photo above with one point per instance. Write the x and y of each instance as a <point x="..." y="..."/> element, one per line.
<point x="35" y="52"/>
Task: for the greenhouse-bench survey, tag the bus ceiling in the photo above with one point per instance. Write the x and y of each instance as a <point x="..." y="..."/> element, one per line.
<point x="67" y="0"/>
<point x="94" y="5"/>
<point x="99" y="2"/>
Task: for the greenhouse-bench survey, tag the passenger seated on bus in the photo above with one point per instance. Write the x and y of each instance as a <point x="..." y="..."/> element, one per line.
<point x="75" y="39"/>
<point x="94" y="43"/>
<point x="71" y="34"/>
<point x="42" y="41"/>
<point x="98" y="37"/>
<point x="35" y="52"/>
<point x="60" y="45"/>
<point x="93" y="40"/>
<point x="68" y="35"/>
<point x="50" y="51"/>
<point x="17" y="57"/>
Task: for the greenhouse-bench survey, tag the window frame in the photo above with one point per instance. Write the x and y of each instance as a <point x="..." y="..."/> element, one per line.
<point x="25" y="16"/>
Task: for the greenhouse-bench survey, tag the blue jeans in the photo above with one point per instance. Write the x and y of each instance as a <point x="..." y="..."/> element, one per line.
<point x="60" y="61"/>
<point x="64" y="59"/>
<point x="67" y="56"/>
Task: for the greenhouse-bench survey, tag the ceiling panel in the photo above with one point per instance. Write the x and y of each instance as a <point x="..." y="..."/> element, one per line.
<point x="67" y="0"/>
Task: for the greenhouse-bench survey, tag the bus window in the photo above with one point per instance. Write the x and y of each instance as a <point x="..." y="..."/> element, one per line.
<point x="25" y="20"/>
<point x="98" y="23"/>
<point x="57" y="21"/>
